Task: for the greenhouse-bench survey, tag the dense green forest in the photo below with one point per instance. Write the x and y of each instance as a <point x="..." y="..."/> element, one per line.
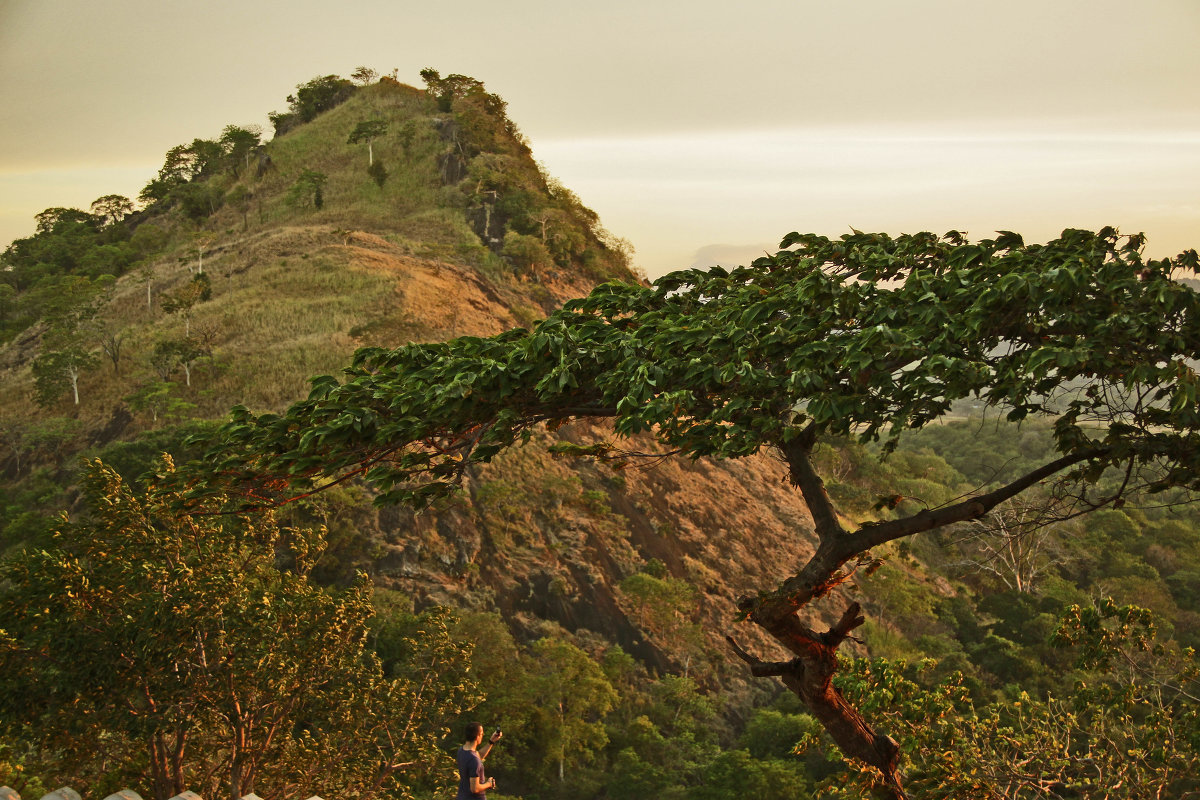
<point x="1000" y="691"/>
<point x="179" y="627"/>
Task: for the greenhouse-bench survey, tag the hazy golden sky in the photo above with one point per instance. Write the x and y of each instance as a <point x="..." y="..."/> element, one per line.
<point x="701" y="131"/>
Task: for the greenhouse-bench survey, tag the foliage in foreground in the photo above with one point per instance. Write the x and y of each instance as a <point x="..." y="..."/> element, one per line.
<point x="1128" y="727"/>
<point x="180" y="647"/>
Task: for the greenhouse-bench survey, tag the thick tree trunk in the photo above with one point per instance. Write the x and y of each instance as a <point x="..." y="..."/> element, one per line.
<point x="166" y="764"/>
<point x="809" y="675"/>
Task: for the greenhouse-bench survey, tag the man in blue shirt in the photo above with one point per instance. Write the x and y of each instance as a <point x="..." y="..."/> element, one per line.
<point x="472" y="783"/>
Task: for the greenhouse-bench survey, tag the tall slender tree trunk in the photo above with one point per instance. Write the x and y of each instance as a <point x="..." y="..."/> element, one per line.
<point x="562" y="743"/>
<point x="177" y="753"/>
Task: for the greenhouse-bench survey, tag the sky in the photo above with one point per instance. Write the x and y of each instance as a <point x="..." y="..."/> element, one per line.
<point x="700" y="131"/>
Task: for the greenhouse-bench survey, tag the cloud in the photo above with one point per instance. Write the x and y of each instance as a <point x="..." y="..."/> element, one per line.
<point x="666" y="193"/>
<point x="730" y="255"/>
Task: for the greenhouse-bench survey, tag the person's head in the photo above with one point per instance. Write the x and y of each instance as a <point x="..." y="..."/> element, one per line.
<point x="473" y="733"/>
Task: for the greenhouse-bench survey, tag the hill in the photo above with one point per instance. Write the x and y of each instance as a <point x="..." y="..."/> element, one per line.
<point x="243" y="295"/>
<point x="381" y="214"/>
<point x="294" y="287"/>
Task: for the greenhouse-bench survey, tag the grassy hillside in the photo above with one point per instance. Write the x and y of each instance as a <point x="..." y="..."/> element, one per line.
<point x="296" y="288"/>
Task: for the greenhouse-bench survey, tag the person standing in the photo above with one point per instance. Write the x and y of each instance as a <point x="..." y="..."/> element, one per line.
<point x="472" y="783"/>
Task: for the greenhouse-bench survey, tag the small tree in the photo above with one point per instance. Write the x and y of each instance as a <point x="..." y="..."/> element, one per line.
<point x="368" y="131"/>
<point x="162" y="361"/>
<point x="199" y="200"/>
<point x="178" y="353"/>
<point x="448" y="89"/>
<point x="526" y="253"/>
<point x="148" y="239"/>
<point x="364" y="76"/>
<point x="666" y="608"/>
<point x="573" y="696"/>
<point x="1017" y="543"/>
<point x="202" y="241"/>
<point x="67" y="345"/>
<point x="308" y="189"/>
<point x="319" y="94"/>
<point x="239" y="144"/>
<point x="55" y="218"/>
<point x="112" y="341"/>
<point x="183" y="300"/>
<point x="184" y="163"/>
<point x="112" y="208"/>
<point x="58" y="368"/>
<point x="240" y="197"/>
<point x="155" y="398"/>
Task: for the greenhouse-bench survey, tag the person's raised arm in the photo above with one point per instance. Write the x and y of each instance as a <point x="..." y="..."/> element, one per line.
<point x="487" y="748"/>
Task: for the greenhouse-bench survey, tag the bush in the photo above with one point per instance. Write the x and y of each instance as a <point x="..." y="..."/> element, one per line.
<point x="527" y="253"/>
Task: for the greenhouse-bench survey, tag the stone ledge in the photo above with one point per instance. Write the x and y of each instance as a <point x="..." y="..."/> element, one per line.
<point x="67" y="793"/>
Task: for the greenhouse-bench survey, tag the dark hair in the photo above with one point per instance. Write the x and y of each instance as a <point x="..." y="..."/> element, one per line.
<point x="472" y="731"/>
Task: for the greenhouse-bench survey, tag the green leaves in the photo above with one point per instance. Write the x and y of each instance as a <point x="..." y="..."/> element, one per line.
<point x="1128" y="729"/>
<point x="868" y="334"/>
<point x="142" y="626"/>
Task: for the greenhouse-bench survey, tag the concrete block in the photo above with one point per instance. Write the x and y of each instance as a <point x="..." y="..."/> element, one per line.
<point x="124" y="794"/>
<point x="187" y="794"/>
<point x="62" y="793"/>
<point x="9" y="793"/>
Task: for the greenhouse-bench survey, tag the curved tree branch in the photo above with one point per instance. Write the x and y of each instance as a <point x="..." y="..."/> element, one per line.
<point x="870" y="536"/>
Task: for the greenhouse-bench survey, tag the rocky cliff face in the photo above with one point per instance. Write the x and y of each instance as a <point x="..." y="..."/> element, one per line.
<point x="545" y="540"/>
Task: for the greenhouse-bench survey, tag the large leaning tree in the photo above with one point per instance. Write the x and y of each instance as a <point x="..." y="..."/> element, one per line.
<point x="865" y="336"/>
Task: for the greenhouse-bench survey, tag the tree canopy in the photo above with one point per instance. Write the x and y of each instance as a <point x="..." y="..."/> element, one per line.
<point x="368" y="131"/>
<point x="865" y="336"/>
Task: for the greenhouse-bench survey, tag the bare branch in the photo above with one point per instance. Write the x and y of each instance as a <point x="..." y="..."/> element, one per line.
<point x="762" y="669"/>
<point x="874" y="535"/>
<point x="852" y="617"/>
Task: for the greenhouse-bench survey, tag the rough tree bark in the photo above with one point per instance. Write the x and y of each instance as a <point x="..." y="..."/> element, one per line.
<point x="809" y="675"/>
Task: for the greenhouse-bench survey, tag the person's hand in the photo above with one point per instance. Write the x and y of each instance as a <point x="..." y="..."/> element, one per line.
<point x="496" y="737"/>
<point x="493" y="784"/>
